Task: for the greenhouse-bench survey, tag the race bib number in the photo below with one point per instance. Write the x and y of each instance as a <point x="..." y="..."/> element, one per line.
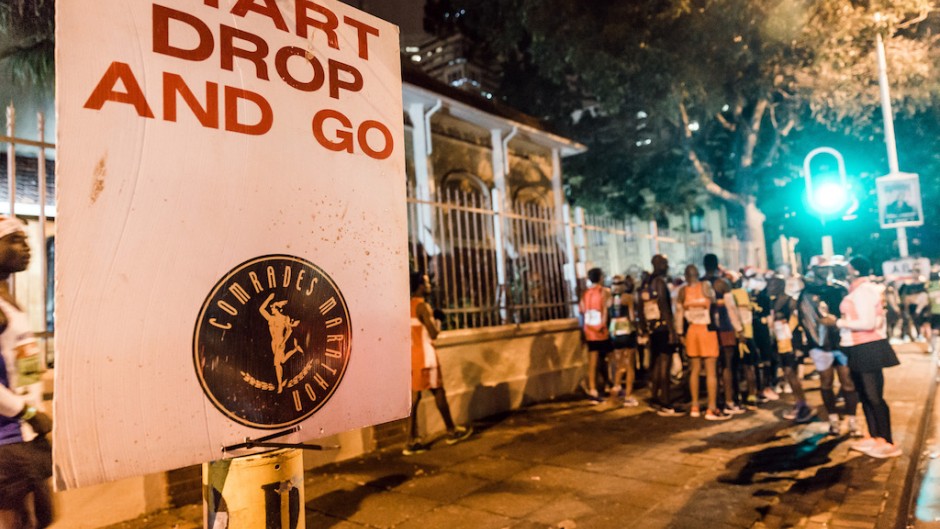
<point x="697" y="315"/>
<point x="651" y="310"/>
<point x="593" y="317"/>
<point x="782" y="330"/>
<point x="621" y="327"/>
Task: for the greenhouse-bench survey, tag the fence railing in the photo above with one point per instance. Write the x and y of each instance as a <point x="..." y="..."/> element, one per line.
<point x="494" y="265"/>
<point x="489" y="267"/>
<point x="27" y="190"/>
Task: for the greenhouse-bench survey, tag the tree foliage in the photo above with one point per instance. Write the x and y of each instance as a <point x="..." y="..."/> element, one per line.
<point x="701" y="94"/>
<point x="27" y="41"/>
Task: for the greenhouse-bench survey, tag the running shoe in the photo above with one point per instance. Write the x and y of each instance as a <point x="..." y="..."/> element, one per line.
<point x="787" y="389"/>
<point x="733" y="409"/>
<point x="751" y="402"/>
<point x="853" y="427"/>
<point x="630" y="402"/>
<point x="716" y="415"/>
<point x="885" y="451"/>
<point x="864" y="445"/>
<point x="695" y="412"/>
<point x="804" y="415"/>
<point x="414" y="448"/>
<point x="459" y="434"/>
<point x="668" y="411"/>
<point x="770" y="394"/>
<point x="593" y="396"/>
<point x="835" y="425"/>
<point x="792" y="413"/>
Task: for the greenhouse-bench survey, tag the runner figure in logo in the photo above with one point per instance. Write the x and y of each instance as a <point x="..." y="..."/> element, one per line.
<point x="303" y="334"/>
<point x="281" y="326"/>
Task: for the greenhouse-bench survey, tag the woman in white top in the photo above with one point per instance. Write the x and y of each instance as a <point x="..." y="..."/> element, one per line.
<point x="864" y="339"/>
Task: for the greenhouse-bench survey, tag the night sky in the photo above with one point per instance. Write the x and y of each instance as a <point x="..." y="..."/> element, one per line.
<point x="407" y="14"/>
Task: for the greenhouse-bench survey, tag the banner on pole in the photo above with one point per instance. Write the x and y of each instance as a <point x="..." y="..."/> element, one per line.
<point x="232" y="229"/>
<point x="899" y="201"/>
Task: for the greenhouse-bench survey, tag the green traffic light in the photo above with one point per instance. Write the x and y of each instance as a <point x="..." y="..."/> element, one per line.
<point x="830" y="198"/>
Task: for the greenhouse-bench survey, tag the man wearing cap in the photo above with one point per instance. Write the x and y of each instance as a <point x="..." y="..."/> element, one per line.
<point x="826" y="287"/>
<point x="25" y="454"/>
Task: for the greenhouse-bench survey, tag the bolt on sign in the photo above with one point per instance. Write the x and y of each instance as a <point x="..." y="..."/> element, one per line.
<point x="232" y="229"/>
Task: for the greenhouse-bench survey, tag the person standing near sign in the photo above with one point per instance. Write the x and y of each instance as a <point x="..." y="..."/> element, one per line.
<point x="25" y="454"/>
<point x="623" y="337"/>
<point x="425" y="367"/>
<point x="865" y="342"/>
<point x="594" y="306"/>
<point x="656" y="322"/>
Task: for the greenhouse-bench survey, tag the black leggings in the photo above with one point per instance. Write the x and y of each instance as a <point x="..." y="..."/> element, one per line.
<point x="871" y="387"/>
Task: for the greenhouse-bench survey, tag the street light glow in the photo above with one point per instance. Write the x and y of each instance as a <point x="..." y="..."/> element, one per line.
<point x="830" y="197"/>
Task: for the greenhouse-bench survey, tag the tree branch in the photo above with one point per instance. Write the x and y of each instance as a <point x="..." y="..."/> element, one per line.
<point x="916" y="20"/>
<point x="750" y="139"/>
<point x="731" y="127"/>
<point x="704" y="174"/>
<point x="778" y="141"/>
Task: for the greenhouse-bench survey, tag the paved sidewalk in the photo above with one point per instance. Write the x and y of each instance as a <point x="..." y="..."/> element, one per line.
<point x="569" y="464"/>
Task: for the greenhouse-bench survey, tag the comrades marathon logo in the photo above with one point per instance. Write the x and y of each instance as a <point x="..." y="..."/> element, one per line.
<point x="272" y="341"/>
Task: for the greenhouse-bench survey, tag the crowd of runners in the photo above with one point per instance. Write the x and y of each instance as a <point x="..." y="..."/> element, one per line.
<point x="747" y="332"/>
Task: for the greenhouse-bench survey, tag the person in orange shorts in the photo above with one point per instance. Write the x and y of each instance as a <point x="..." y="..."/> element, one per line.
<point x="426" y="369"/>
<point x="693" y="321"/>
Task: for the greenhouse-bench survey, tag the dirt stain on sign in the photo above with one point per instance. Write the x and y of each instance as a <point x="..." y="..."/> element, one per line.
<point x="97" y="186"/>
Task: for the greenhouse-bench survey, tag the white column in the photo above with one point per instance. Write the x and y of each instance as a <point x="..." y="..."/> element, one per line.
<point x="424" y="180"/>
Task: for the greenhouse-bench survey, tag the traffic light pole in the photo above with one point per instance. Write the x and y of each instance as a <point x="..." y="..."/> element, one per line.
<point x="890" y="141"/>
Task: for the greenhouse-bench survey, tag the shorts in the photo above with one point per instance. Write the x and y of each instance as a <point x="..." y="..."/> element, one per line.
<point x="23" y="468"/>
<point x="627" y="341"/>
<point x="659" y="344"/>
<point x="727" y="339"/>
<point x="788" y="360"/>
<point x="700" y="342"/>
<point x="826" y="359"/>
<point x="935" y="322"/>
<point x="749" y="353"/>
<point x="602" y="347"/>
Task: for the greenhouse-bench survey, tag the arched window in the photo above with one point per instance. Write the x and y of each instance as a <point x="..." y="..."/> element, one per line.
<point x="462" y="183"/>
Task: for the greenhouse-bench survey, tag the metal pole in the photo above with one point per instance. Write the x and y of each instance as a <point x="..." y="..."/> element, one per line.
<point x="888" y="115"/>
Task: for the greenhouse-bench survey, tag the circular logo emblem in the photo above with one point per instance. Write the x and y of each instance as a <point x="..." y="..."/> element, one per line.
<point x="272" y="341"/>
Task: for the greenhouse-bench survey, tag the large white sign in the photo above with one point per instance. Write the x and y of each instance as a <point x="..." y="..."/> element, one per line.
<point x="899" y="200"/>
<point x="232" y="236"/>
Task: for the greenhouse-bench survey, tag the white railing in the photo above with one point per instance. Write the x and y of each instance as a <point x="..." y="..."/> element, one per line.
<point x="26" y="180"/>
<point x="494" y="265"/>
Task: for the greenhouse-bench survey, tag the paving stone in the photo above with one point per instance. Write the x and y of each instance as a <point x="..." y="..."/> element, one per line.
<point x="444" y="487"/>
<point x="491" y="468"/>
<point x="457" y="517"/>
<point x="508" y="498"/>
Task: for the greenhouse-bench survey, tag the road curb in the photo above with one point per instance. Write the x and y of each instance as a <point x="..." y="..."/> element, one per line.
<point x="905" y="476"/>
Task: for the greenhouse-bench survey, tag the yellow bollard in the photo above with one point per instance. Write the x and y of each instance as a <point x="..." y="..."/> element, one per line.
<point x="261" y="491"/>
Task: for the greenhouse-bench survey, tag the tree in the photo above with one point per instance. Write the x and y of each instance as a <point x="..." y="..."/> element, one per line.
<point x="720" y="84"/>
<point x="27" y="41"/>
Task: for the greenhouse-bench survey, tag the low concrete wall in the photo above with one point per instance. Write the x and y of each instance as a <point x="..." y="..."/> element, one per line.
<point x="486" y="372"/>
<point x="110" y="503"/>
<point x="497" y="369"/>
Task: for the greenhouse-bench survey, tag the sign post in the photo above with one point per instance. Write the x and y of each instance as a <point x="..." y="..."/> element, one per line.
<point x="232" y="230"/>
